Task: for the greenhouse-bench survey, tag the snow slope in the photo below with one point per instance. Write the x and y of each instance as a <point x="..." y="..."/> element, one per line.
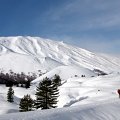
<point x="5" y="106"/>
<point x="89" y="112"/>
<point x="76" y="91"/>
<point x="66" y="72"/>
<point x="81" y="98"/>
<point x="34" y="53"/>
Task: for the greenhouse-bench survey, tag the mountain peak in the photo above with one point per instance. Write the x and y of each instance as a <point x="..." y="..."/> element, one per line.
<point x="31" y="52"/>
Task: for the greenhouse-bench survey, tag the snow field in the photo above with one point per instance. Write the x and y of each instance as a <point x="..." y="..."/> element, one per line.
<point x="81" y="98"/>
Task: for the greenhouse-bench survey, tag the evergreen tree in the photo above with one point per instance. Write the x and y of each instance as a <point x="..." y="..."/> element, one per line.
<point x="10" y="95"/>
<point x="46" y="94"/>
<point x="26" y="104"/>
<point x="57" y="80"/>
<point x="54" y="95"/>
<point x="21" y="85"/>
<point x="27" y="84"/>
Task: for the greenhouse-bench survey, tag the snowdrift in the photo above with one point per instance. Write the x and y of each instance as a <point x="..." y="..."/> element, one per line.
<point x="66" y="72"/>
<point x="89" y="112"/>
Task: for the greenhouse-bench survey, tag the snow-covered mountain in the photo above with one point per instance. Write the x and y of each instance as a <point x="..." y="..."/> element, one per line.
<point x="81" y="98"/>
<point x="34" y="53"/>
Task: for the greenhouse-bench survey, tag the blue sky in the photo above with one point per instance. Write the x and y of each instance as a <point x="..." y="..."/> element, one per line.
<point x="90" y="24"/>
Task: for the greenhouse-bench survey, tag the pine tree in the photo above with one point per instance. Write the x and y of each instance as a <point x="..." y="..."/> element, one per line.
<point x="46" y="94"/>
<point x="27" y="84"/>
<point x="26" y="104"/>
<point x="57" y="80"/>
<point x="54" y="95"/>
<point x="10" y="95"/>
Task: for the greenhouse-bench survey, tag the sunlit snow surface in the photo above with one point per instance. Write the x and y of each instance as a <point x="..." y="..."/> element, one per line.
<point x="36" y="53"/>
<point x="81" y="98"/>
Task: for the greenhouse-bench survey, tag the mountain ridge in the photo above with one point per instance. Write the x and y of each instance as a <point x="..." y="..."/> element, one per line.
<point x="40" y="51"/>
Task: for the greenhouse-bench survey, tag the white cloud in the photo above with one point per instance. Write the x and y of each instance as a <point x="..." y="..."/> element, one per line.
<point x="88" y="14"/>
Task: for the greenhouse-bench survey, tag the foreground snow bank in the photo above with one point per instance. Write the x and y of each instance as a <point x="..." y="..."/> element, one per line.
<point x="105" y="111"/>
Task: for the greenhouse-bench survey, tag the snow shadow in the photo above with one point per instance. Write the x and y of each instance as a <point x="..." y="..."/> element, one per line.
<point x="74" y="101"/>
